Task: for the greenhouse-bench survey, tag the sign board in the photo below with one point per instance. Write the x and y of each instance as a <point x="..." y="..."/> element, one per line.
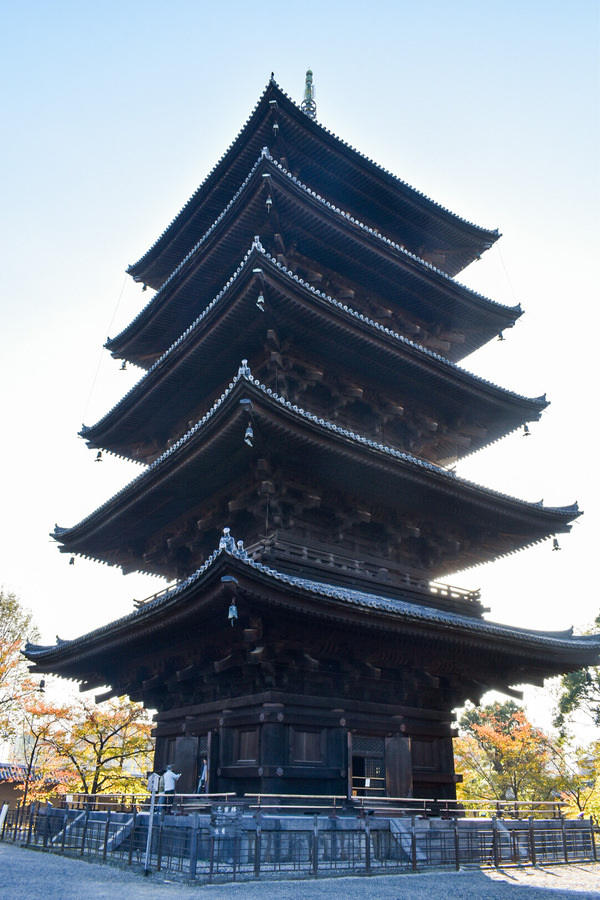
<point x="153" y="782"/>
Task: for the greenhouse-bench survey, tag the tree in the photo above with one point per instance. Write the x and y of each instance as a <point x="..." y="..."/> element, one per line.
<point x="578" y="776"/>
<point x="579" y="693"/>
<point x="16" y="625"/>
<point x="108" y="746"/>
<point x="44" y="773"/>
<point x="503" y="756"/>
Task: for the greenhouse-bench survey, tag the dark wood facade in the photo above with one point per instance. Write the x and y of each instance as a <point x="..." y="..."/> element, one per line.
<point x="316" y="652"/>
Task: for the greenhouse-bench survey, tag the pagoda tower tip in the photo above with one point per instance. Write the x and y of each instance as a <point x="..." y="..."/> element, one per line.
<point x="308" y="104"/>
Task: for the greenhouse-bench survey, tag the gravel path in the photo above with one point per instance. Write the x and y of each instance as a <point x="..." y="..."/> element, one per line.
<point x="31" y="875"/>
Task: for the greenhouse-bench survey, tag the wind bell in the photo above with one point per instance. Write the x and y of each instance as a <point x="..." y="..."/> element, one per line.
<point x="233" y="613"/>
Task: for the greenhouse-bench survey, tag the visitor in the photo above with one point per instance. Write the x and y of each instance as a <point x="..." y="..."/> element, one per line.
<point x="170" y="779"/>
<point x="203" y="780"/>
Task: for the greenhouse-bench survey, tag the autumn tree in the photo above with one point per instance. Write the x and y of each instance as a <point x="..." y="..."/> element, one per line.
<point x="16" y="626"/>
<point x="503" y="756"/>
<point x="108" y="746"/>
<point x="35" y="723"/>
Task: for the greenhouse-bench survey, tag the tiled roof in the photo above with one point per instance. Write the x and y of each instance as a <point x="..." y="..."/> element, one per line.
<point x="363" y="229"/>
<point x="561" y="640"/>
<point x="248" y="260"/>
<point x="244" y="374"/>
<point x="16" y="773"/>
<point x="377" y="169"/>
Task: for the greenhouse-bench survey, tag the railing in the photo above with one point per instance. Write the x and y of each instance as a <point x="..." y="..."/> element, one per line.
<point x="233" y="842"/>
<point x="373" y="803"/>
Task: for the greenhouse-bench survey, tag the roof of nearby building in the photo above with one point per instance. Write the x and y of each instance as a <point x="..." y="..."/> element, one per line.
<point x="17" y="773"/>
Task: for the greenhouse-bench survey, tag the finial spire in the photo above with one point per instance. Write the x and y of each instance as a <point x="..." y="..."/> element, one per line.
<point x="308" y="104"/>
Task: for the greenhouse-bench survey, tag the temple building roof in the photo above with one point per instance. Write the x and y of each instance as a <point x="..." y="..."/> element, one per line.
<point x="214" y="458"/>
<point x="294" y="220"/>
<point x="330" y="167"/>
<point x="232" y="325"/>
<point x="525" y="654"/>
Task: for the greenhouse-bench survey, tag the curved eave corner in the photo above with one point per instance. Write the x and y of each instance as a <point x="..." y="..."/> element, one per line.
<point x="571" y="651"/>
<point x="483" y="238"/>
<point x="445" y="479"/>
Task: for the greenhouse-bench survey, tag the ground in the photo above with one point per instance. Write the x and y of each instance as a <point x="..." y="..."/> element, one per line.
<point x="31" y="875"/>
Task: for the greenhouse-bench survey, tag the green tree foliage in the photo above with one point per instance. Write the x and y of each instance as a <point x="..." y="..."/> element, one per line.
<point x="578" y="777"/>
<point x="16" y="626"/>
<point x="579" y="693"/>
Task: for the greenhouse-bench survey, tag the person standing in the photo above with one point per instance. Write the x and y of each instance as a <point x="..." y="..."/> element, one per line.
<point x="202" y="781"/>
<point x="170" y="780"/>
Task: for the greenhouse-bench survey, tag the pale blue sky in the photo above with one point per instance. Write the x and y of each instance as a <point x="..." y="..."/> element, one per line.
<point x="113" y="113"/>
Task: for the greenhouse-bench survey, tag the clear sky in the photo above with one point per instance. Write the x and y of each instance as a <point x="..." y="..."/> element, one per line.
<point x="113" y="113"/>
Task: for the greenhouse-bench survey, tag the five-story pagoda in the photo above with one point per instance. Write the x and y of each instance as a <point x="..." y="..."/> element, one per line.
<point x="300" y="408"/>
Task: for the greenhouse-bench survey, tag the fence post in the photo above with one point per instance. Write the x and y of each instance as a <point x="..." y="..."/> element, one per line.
<point x="131" y="837"/>
<point x="46" y="824"/>
<point x="413" y="843"/>
<point x="30" y="825"/>
<point x="495" y="854"/>
<point x="17" y="817"/>
<point x="194" y="845"/>
<point x="211" y="867"/>
<point x="564" y="837"/>
<point x="532" y="851"/>
<point x="367" y="822"/>
<point x="106" y="834"/>
<point x="593" y="837"/>
<point x="3" y="818"/>
<point x="257" y="847"/>
<point x="159" y="845"/>
<point x="84" y="832"/>
<point x="64" y="831"/>
<point x="456" y="845"/>
<point x="315" y="864"/>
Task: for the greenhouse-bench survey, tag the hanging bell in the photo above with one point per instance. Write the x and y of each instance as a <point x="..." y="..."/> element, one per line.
<point x="555" y="544"/>
<point x="249" y="435"/>
<point x="233" y="613"/>
<point x="261" y="302"/>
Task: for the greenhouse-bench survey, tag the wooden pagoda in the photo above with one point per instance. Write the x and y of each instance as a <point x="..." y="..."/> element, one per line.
<point x="301" y="407"/>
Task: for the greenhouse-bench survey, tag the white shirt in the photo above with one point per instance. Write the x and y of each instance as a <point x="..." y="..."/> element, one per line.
<point x="170" y="779"/>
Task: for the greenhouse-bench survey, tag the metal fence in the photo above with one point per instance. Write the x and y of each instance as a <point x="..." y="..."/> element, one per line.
<point x="231" y="844"/>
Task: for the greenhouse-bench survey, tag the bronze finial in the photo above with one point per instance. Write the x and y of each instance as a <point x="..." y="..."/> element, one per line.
<point x="308" y="104"/>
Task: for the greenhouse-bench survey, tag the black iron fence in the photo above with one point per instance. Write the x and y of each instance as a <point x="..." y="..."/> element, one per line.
<point x="230" y="843"/>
